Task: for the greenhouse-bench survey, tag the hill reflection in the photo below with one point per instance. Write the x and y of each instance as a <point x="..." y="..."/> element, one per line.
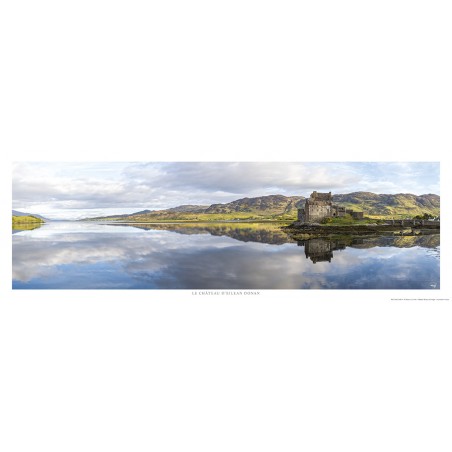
<point x="19" y="227"/>
<point x="244" y="232"/>
<point x="272" y="234"/>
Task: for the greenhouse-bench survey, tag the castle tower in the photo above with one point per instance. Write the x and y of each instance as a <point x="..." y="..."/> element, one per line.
<point x="317" y="207"/>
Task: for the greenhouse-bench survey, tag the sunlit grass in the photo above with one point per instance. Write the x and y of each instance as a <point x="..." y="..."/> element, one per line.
<point x="27" y="219"/>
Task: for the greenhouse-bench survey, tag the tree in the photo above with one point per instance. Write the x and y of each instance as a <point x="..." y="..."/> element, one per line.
<point x="426" y="216"/>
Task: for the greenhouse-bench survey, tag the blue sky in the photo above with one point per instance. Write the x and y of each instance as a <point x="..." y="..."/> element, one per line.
<point x="75" y="190"/>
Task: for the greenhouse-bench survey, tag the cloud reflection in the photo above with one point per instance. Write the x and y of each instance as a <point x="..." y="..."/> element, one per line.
<point x="100" y="256"/>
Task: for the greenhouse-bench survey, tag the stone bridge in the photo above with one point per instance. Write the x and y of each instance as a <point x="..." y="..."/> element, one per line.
<point x="412" y="222"/>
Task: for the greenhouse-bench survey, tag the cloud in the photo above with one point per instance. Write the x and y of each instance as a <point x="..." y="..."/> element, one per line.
<point x="240" y="177"/>
<point x="75" y="190"/>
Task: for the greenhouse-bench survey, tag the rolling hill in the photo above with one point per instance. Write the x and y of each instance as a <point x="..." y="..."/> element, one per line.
<point x="401" y="204"/>
<point x="279" y="207"/>
<point x="263" y="205"/>
<point x="25" y="223"/>
<point x="16" y="213"/>
<point x="276" y="207"/>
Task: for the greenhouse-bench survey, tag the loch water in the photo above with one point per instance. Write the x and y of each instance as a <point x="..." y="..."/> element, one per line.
<point x="87" y="255"/>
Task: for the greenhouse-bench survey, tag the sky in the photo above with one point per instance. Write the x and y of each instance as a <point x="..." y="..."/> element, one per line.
<point x="75" y="190"/>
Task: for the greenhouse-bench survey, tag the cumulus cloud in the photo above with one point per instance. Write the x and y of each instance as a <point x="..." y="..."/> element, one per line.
<point x="75" y="190"/>
<point x="240" y="177"/>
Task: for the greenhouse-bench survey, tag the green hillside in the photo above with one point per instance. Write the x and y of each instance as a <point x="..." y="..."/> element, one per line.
<point x="399" y="205"/>
<point x="263" y="205"/>
<point x="26" y="223"/>
<point x="272" y="207"/>
<point x="284" y="208"/>
<point x="28" y="219"/>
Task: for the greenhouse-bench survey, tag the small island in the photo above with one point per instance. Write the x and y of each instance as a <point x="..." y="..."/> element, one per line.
<point x="319" y="217"/>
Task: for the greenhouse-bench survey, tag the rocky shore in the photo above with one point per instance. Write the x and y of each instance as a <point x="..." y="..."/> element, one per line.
<point x="302" y="231"/>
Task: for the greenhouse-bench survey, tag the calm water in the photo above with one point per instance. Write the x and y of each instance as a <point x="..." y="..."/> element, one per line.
<point x="69" y="255"/>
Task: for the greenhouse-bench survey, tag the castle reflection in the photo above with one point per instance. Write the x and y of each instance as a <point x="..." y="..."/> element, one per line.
<point x="321" y="249"/>
<point x="316" y="249"/>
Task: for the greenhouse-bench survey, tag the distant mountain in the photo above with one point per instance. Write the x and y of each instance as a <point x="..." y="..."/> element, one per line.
<point x="142" y="214"/>
<point x="186" y="208"/>
<point x="271" y="204"/>
<point x="271" y="207"/>
<point x="16" y="213"/>
<point x="279" y="207"/>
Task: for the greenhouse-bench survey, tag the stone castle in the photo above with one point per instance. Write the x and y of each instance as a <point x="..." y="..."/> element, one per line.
<point x="320" y="206"/>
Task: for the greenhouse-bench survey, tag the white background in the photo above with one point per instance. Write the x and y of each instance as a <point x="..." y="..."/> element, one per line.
<point x="236" y="80"/>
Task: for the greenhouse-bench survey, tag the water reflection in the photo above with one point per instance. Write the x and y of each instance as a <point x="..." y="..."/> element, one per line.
<point x="270" y="233"/>
<point x="321" y="249"/>
<point x="93" y="256"/>
<point x="19" y="227"/>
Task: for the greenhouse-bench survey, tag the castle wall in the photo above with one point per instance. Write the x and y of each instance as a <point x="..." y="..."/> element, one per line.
<point x="317" y="212"/>
<point x="320" y="206"/>
<point x="301" y="215"/>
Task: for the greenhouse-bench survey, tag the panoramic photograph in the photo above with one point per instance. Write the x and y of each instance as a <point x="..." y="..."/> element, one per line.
<point x="239" y="226"/>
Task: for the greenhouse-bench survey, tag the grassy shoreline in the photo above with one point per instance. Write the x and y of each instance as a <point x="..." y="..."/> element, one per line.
<point x="26" y="223"/>
<point x="26" y="219"/>
<point x="302" y="232"/>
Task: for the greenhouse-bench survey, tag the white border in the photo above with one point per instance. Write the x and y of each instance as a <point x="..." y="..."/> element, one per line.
<point x="203" y="81"/>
